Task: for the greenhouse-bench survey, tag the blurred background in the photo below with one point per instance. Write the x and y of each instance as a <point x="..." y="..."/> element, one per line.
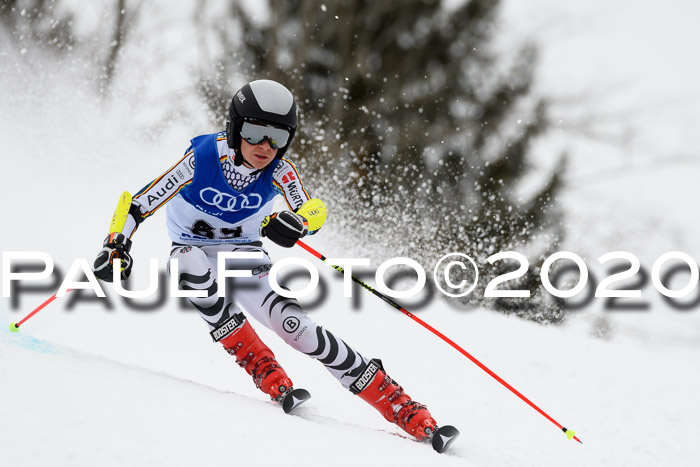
<point x="427" y="126"/>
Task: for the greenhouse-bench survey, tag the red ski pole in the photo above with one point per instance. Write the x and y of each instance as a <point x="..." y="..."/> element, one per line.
<point x="117" y="224"/>
<point x="569" y="433"/>
<point x="14" y="327"/>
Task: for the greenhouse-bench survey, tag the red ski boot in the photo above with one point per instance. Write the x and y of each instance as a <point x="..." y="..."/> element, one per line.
<point x="257" y="358"/>
<point x="385" y="395"/>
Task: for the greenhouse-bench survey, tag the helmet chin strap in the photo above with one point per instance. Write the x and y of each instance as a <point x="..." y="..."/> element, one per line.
<point x="238" y="159"/>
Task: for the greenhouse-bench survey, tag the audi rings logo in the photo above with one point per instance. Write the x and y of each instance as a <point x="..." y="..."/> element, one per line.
<point x="230" y="203"/>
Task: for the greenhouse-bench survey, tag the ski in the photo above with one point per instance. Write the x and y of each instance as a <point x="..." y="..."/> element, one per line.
<point x="443" y="437"/>
<point x="440" y="439"/>
<point x="294" y="399"/>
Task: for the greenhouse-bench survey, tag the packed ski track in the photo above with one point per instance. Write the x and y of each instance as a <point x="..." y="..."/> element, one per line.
<point x="72" y="408"/>
<point x="158" y="401"/>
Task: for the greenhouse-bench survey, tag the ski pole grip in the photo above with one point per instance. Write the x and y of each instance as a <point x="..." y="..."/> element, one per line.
<point x="121" y="213"/>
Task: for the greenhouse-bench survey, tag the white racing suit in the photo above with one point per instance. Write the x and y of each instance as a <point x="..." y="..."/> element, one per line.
<point x="214" y="206"/>
<point x="284" y="316"/>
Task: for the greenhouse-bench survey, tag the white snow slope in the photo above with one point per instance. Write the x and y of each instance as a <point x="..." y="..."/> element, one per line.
<point x="92" y="386"/>
<point x="631" y="403"/>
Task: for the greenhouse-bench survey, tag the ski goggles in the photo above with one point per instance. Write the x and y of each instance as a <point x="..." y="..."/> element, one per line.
<point x="256" y="133"/>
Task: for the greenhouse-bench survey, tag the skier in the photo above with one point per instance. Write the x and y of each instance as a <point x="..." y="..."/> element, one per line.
<point x="219" y="199"/>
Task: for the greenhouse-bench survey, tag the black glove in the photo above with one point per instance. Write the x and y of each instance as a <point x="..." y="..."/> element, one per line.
<point x="116" y="247"/>
<point x="284" y="228"/>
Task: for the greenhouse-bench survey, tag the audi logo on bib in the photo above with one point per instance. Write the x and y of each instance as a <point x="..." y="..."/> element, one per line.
<point x="230" y="203"/>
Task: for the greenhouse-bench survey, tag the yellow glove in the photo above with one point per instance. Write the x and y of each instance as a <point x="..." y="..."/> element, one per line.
<point x="314" y="211"/>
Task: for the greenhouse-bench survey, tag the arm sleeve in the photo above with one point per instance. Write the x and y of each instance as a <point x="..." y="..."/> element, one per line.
<point x="159" y="191"/>
<point x="288" y="183"/>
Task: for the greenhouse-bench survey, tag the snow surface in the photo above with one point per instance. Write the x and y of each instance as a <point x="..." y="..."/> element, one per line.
<point x="630" y="403"/>
<point x="92" y="386"/>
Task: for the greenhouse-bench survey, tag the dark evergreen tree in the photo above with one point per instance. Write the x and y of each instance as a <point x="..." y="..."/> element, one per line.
<point x="417" y="134"/>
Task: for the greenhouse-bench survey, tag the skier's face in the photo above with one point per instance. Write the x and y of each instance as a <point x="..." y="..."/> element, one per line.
<point x="257" y="155"/>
